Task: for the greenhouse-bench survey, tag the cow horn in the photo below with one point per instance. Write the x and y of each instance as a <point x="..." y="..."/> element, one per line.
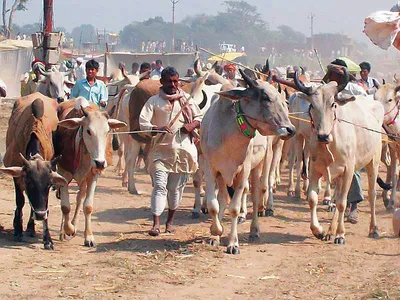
<point x="383" y="81"/>
<point x="85" y="113"/>
<point x="197" y="68"/>
<point x="279" y="88"/>
<point x="266" y="67"/>
<point x="41" y="69"/>
<point x="144" y="74"/>
<point x="214" y="65"/>
<point x="342" y="86"/>
<point x="204" y="102"/>
<point x="300" y="86"/>
<point x="55" y="161"/>
<point x="25" y="162"/>
<point x="250" y="82"/>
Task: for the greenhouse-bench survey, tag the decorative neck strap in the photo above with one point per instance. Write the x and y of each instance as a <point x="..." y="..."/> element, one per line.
<point x="244" y="125"/>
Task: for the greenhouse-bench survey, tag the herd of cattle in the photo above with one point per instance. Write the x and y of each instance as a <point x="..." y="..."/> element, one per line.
<point x="246" y="135"/>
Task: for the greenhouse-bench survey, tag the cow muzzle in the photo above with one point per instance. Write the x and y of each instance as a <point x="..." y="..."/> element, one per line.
<point x="324" y="138"/>
<point x="286" y="132"/>
<point x="40" y="215"/>
<point x="100" y="164"/>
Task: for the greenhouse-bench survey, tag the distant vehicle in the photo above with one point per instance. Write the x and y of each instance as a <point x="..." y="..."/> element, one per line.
<point x="227" y="47"/>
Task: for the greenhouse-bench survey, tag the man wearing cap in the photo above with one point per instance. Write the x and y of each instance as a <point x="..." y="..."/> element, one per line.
<point x="335" y="73"/>
<point x="80" y="72"/>
<point x="370" y="84"/>
<point x="230" y="73"/>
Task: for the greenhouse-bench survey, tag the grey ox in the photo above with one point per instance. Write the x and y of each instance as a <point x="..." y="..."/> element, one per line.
<point x="228" y="148"/>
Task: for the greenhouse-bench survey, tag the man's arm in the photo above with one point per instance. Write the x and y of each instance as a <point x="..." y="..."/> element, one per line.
<point x="103" y="95"/>
<point x="75" y="90"/>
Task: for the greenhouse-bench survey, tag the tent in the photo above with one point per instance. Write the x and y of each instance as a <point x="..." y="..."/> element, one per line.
<point x="226" y="56"/>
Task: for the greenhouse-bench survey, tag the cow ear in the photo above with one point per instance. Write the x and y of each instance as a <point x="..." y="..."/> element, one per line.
<point x="72" y="123"/>
<point x="13" y="171"/>
<point x="57" y="179"/>
<point x="114" y="123"/>
<point x="247" y="94"/>
<point x="69" y="84"/>
<point x="343" y="99"/>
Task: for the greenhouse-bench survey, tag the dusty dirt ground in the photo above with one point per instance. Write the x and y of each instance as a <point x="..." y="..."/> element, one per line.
<point x="288" y="262"/>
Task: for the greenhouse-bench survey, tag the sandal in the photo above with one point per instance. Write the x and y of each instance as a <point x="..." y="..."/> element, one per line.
<point x="154" y="231"/>
<point x="171" y="229"/>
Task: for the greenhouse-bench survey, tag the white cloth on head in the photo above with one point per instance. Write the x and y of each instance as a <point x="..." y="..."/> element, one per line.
<point x="382" y="28"/>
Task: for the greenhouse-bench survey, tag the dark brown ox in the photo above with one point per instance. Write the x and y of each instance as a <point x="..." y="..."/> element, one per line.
<point x="81" y="139"/>
<point x="29" y="134"/>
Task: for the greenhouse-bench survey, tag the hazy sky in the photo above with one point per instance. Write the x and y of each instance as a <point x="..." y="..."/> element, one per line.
<point x="338" y="16"/>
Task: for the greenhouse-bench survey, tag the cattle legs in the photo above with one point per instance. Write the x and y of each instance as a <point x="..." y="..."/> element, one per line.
<point x="216" y="228"/>
<point x="131" y="155"/>
<point x="20" y="201"/>
<point x="47" y="240"/>
<point x="66" y="226"/>
<point x="88" y="209"/>
<point x="256" y="195"/>
<point x="372" y="172"/>
<point x="312" y="197"/>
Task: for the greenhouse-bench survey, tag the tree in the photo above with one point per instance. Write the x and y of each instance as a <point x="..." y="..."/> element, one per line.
<point x="18" y="5"/>
<point x="85" y="33"/>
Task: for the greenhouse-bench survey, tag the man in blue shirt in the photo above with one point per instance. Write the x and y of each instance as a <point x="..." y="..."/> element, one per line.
<point x="90" y="88"/>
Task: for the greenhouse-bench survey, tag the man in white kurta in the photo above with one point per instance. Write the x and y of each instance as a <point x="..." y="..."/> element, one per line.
<point x="173" y="155"/>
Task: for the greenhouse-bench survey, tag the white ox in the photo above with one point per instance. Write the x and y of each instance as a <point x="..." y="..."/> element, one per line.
<point x="54" y="83"/>
<point x="81" y="140"/>
<point x="342" y="148"/>
<point x="227" y="151"/>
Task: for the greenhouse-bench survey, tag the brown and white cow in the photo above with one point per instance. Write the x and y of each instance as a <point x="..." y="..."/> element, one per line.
<point x="81" y="139"/>
<point x="29" y="134"/>
<point x="227" y="150"/>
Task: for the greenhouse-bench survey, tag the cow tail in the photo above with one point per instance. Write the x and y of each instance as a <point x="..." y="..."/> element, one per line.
<point x="385" y="186"/>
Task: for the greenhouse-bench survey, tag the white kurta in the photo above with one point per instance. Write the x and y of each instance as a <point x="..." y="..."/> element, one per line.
<point x="175" y="152"/>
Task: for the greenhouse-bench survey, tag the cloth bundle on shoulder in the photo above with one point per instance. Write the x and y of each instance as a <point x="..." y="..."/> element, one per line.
<point x="382" y="28"/>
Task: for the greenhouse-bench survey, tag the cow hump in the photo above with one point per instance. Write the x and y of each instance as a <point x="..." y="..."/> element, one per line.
<point x="38" y="108"/>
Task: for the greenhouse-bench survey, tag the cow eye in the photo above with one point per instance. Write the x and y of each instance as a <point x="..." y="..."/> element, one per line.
<point x="333" y="105"/>
<point x="390" y="100"/>
<point x="88" y="132"/>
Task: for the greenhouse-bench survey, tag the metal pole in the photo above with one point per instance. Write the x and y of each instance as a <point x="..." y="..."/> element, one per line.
<point x="311" y="17"/>
<point x="173" y="25"/>
<point x="48" y="16"/>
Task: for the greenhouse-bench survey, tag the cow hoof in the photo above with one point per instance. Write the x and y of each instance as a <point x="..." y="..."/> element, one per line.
<point x="202" y="193"/>
<point x="61" y="237"/>
<point x="135" y="192"/>
<point x="274" y="190"/>
<point x="340" y="241"/>
<point x="374" y="235"/>
<point x="260" y="214"/>
<point x="204" y="210"/>
<point x="213" y="243"/>
<point x="327" y="237"/>
<point x="331" y="208"/>
<point x="390" y="206"/>
<point x="18" y="238"/>
<point x="291" y="193"/>
<point x="49" y="246"/>
<point x="326" y="202"/>
<point x="269" y="212"/>
<point x="90" y="244"/>
<point x="195" y="215"/>
<point x="30" y="232"/>
<point x="241" y="220"/>
<point x="124" y="184"/>
<point x="320" y="236"/>
<point x="254" y="238"/>
<point x="233" y="250"/>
